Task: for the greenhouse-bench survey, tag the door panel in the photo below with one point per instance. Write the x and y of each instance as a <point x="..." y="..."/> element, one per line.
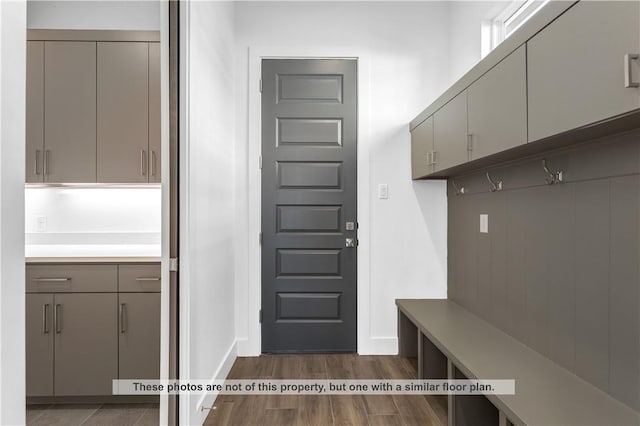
<point x="139" y="336"/>
<point x="39" y="343"/>
<point x="70" y="111"/>
<point x="498" y="107"/>
<point x="575" y="67"/>
<point x="35" y="111"/>
<point x="123" y="112"/>
<point x="308" y="196"/>
<point x="450" y="133"/>
<point x="86" y="350"/>
<point x="155" y="126"/>
<point x="421" y="149"/>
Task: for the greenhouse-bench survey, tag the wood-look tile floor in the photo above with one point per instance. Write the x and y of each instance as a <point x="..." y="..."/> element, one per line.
<point x="303" y="410"/>
<point x="93" y="414"/>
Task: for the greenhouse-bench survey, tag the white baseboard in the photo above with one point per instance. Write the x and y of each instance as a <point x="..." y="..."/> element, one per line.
<point x="245" y="348"/>
<point x="380" y="346"/>
<point x="208" y="399"/>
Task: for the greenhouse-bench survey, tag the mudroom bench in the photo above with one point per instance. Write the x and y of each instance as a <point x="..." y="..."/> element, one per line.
<point x="451" y="342"/>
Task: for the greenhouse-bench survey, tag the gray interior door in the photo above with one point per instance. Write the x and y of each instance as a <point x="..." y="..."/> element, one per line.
<point x="309" y="205"/>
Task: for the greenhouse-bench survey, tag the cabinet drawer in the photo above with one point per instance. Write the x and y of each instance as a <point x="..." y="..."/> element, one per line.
<point x="139" y="278"/>
<point x="68" y="278"/>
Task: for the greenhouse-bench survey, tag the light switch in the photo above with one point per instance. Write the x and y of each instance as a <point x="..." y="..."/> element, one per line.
<point x="383" y="191"/>
<point x="484" y="223"/>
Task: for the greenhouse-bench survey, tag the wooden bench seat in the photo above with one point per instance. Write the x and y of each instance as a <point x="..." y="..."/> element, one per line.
<point x="546" y="393"/>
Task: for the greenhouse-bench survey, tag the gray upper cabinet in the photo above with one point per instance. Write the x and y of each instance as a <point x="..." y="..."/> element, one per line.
<point x="450" y="133"/>
<point x="154" y="112"/>
<point x="35" y="111"/>
<point x="422" y="149"/>
<point x="576" y="67"/>
<point x="39" y="344"/>
<point x="497" y="107"/>
<point x="123" y="112"/>
<point x="93" y="108"/>
<point x="69" y="111"/>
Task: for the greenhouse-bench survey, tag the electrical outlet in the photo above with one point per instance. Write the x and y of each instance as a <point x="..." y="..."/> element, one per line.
<point x="383" y="191"/>
<point x="484" y="223"/>
<point x="41" y="224"/>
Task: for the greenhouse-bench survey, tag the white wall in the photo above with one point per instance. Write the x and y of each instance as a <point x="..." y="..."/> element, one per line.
<point x="93" y="221"/>
<point x="465" y="21"/>
<point x="12" y="124"/>
<point x="99" y="15"/>
<point x="207" y="338"/>
<point x="405" y="49"/>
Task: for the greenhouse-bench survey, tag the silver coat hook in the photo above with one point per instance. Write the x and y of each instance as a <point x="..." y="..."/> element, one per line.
<point x="460" y="190"/>
<point x="495" y="186"/>
<point x="552" y="177"/>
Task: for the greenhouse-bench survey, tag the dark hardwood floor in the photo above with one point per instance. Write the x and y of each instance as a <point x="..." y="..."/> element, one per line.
<point x="303" y="410"/>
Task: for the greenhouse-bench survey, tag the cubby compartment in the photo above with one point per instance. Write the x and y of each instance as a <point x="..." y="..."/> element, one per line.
<point x="473" y="410"/>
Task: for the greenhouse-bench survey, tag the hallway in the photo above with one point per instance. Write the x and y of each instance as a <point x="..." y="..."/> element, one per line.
<point x="239" y="410"/>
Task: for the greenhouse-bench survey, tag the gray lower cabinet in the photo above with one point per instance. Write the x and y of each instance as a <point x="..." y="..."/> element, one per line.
<point x="86" y="343"/>
<point x="422" y="149"/>
<point x="450" y="133"/>
<point x="39" y="344"/>
<point x="81" y="333"/>
<point x="497" y="107"/>
<point x="576" y="67"/>
<point x="139" y="336"/>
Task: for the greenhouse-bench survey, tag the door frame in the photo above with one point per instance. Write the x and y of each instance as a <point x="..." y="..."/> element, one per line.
<point x="250" y="340"/>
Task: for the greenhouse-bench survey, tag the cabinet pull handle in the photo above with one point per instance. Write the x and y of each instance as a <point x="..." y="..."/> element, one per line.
<point x="37" y="165"/>
<point x="52" y="280"/>
<point x="628" y="83"/>
<point x="153" y="163"/>
<point x="47" y="154"/>
<point x="434" y="157"/>
<point x="143" y="162"/>
<point x="56" y="318"/>
<point x="122" y="318"/>
<point x="148" y="279"/>
<point x="470" y="142"/>
<point x="45" y="323"/>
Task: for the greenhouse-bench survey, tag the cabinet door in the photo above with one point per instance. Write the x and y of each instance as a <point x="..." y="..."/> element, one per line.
<point x="70" y="111"/>
<point x="450" y="133"/>
<point x="139" y="331"/>
<point x="154" y="112"/>
<point x="39" y="344"/>
<point x="35" y="111"/>
<point x="576" y="67"/>
<point x="86" y="343"/>
<point x="497" y="107"/>
<point x="421" y="149"/>
<point x="123" y="112"/>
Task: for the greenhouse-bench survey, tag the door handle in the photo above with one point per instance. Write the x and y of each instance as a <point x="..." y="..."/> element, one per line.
<point x="56" y="318"/>
<point x="47" y="154"/>
<point x="122" y="318"/>
<point x="350" y="242"/>
<point x="37" y="165"/>
<point x="628" y="83"/>
<point x="153" y="163"/>
<point x="143" y="162"/>
<point x="45" y="323"/>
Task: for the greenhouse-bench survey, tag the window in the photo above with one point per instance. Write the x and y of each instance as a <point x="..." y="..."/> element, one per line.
<point x="512" y="17"/>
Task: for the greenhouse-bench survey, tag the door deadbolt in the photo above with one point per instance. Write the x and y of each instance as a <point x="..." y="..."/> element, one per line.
<point x="350" y="242"/>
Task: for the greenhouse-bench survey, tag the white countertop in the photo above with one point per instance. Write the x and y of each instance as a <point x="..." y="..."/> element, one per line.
<point x="96" y="259"/>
